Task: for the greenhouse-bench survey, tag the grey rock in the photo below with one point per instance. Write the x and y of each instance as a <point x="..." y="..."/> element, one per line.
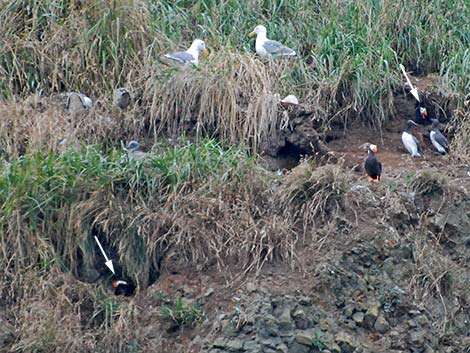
<point x="252" y="346"/>
<point x="371" y="314"/>
<point x="422" y="320"/>
<point x="234" y="345"/>
<point x="251" y="287"/>
<point x="282" y="348"/>
<point x="333" y="347"/>
<point x="418" y="337"/>
<point x="358" y="317"/>
<point x="326" y="324"/>
<point x="348" y="310"/>
<point x="268" y="350"/>
<point x="305" y="337"/>
<point x="271" y="342"/>
<point x="346" y="342"/>
<point x="268" y="327"/>
<point x="301" y="320"/>
<point x="285" y="320"/>
<point x="381" y="324"/>
<point x="219" y="342"/>
<point x="296" y="347"/>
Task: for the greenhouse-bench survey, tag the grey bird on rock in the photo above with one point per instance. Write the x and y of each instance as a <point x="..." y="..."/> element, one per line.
<point x="77" y="102"/>
<point x="438" y="140"/>
<point x="121" y="98"/>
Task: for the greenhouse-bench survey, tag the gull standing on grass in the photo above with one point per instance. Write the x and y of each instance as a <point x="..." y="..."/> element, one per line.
<point x="190" y="56"/>
<point x="267" y="48"/>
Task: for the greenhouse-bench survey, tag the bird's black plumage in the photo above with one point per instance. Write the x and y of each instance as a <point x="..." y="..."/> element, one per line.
<point x="438" y="140"/>
<point x="123" y="287"/>
<point x="372" y="165"/>
<point x="421" y="114"/>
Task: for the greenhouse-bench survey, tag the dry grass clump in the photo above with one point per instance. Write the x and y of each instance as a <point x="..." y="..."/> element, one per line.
<point x="57" y="312"/>
<point x="429" y="184"/>
<point x="437" y="281"/>
<point x="234" y="97"/>
<point x="460" y="145"/>
<point x="204" y="204"/>
<point x="226" y="224"/>
<point x="88" y="46"/>
<point x="44" y="124"/>
<point x="313" y="196"/>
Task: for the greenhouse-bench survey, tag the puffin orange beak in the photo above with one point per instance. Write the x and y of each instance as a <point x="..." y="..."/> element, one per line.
<point x="425" y="114"/>
<point x="375" y="149"/>
<point x="115" y="284"/>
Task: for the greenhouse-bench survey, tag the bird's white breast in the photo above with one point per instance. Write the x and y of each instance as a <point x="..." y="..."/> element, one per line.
<point x="410" y="143"/>
<point x="436" y="144"/>
<point x="259" y="46"/>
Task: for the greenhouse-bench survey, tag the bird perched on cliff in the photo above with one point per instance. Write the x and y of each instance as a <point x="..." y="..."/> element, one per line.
<point x="421" y="114"/>
<point x="121" y="97"/>
<point x="133" y="151"/>
<point x="190" y="56"/>
<point x="372" y="165"/>
<point x="438" y="140"/>
<point x="77" y="102"/>
<point x="267" y="48"/>
<point x="122" y="287"/>
<point x="411" y="142"/>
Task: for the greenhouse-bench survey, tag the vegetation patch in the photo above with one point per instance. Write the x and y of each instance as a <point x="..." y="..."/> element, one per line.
<point x="313" y="196"/>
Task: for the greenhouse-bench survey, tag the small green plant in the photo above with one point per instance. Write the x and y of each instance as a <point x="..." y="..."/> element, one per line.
<point x="182" y="313"/>
<point x="428" y="184"/>
<point x="109" y="309"/>
<point x="161" y="297"/>
<point x="317" y="342"/>
<point x="390" y="298"/>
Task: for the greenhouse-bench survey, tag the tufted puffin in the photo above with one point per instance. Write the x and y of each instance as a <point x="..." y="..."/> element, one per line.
<point x="372" y="165"/>
<point x="411" y="142"/>
<point x="122" y="287"/>
<point x="421" y="114"/>
<point x="438" y="140"/>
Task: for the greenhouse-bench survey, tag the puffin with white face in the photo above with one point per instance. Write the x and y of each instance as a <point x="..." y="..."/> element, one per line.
<point x="411" y="142"/>
<point x="122" y="287"/>
<point x="372" y="165"/>
<point x="267" y="48"/>
<point x="190" y="56"/>
<point x="421" y="114"/>
<point x="438" y="140"/>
